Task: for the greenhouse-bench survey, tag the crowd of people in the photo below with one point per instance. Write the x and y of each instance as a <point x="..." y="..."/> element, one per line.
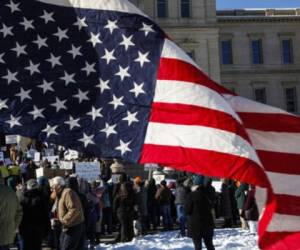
<point x="70" y="213"/>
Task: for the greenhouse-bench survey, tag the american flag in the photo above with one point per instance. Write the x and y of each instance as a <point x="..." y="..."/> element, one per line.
<point x="100" y="77"/>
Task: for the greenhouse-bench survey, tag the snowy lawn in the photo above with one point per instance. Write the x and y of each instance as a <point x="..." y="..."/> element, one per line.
<point x="224" y="239"/>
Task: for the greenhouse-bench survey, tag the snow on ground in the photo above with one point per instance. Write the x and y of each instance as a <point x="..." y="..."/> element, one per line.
<point x="224" y="239"/>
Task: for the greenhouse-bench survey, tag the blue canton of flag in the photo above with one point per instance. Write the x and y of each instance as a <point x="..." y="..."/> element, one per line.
<point x="80" y="78"/>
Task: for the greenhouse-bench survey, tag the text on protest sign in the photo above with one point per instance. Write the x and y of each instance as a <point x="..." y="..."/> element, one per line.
<point x="88" y="170"/>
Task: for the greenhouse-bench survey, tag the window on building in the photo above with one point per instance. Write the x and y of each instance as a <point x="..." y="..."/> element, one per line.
<point x="260" y="95"/>
<point x="257" y="51"/>
<point x="287" y="51"/>
<point x="162" y="8"/>
<point x="185" y="8"/>
<point x="291" y="99"/>
<point x="226" y="47"/>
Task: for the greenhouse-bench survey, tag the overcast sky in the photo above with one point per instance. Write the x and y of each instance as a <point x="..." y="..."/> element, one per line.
<point x="234" y="4"/>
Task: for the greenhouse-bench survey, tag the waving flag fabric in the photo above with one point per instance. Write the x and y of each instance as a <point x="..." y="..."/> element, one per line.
<point x="100" y="77"/>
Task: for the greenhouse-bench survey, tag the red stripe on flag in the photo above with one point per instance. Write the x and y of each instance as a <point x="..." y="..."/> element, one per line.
<point x="271" y="122"/>
<point x="177" y="70"/>
<point x="205" y="162"/>
<point x="194" y="115"/>
<point x="280" y="241"/>
<point x="288" y="204"/>
<point x="280" y="162"/>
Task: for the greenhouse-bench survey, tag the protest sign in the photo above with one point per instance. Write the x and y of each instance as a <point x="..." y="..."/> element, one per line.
<point x="88" y="170"/>
<point x="66" y="165"/>
<point x="51" y="159"/>
<point x="12" y="139"/>
<point x="37" y="156"/>
<point x="71" y="155"/>
<point x="151" y="167"/>
<point x="7" y="161"/>
<point x="49" y="151"/>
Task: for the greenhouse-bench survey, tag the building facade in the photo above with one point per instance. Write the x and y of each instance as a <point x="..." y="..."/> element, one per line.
<point x="255" y="53"/>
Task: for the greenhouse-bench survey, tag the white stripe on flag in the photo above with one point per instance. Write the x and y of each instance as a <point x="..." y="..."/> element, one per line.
<point x="122" y="6"/>
<point x="172" y="51"/>
<point x="275" y="141"/>
<point x="284" y="223"/>
<point x="199" y="137"/>
<point x="284" y="183"/>
<point x="243" y="105"/>
<point x="191" y="94"/>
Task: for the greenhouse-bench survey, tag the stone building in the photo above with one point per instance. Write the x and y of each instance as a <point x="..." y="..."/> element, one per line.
<point x="256" y="53"/>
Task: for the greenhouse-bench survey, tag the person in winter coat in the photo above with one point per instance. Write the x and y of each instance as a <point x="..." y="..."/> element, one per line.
<point x="163" y="195"/>
<point x="123" y="206"/>
<point x="152" y="204"/>
<point x="10" y="215"/>
<point x="35" y="225"/>
<point x="240" y="196"/>
<point x="226" y="205"/>
<point x="180" y="197"/>
<point x="250" y="211"/>
<point x="140" y="204"/>
<point x="210" y="193"/>
<point x="70" y="215"/>
<point x="200" y="223"/>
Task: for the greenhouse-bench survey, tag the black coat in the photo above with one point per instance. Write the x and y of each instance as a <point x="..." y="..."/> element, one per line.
<point x="35" y="212"/>
<point x="200" y="220"/>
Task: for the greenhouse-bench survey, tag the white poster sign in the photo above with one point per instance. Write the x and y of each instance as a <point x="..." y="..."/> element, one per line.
<point x="71" y="155"/>
<point x="88" y="170"/>
<point x="51" y="159"/>
<point x="68" y="165"/>
<point x="7" y="161"/>
<point x="159" y="178"/>
<point x="30" y="153"/>
<point x="1" y="156"/>
<point x="37" y="156"/>
<point x="151" y="167"/>
<point x="49" y="151"/>
<point x="12" y="139"/>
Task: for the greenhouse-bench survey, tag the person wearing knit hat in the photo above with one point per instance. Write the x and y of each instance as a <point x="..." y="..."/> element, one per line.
<point x="32" y="184"/>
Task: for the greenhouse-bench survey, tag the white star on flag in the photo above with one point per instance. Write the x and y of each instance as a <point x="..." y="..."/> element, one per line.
<point x="95" y="39"/>
<point x="103" y="85"/>
<point x="138" y="89"/>
<point x="147" y="29"/>
<point x="95" y="113"/>
<point x="109" y="55"/>
<point x="123" y="72"/>
<point x="109" y="130"/>
<point x="89" y="68"/>
<point x="68" y="78"/>
<point x="124" y="147"/>
<point x="80" y="23"/>
<point x="6" y="30"/>
<point x="41" y="42"/>
<point x="127" y="42"/>
<point x="61" y="34"/>
<point x="3" y="104"/>
<point x="14" y="121"/>
<point x="59" y="104"/>
<point x="33" y="68"/>
<point x="142" y="58"/>
<point x="130" y="118"/>
<point x="37" y="113"/>
<point x="24" y="94"/>
<point x="73" y="122"/>
<point x="75" y="51"/>
<point x="10" y="76"/>
<point x="54" y="60"/>
<point x="87" y="139"/>
<point x="116" y="102"/>
<point x="1" y="58"/>
<point x="50" y="130"/>
<point x="47" y="17"/>
<point x="82" y="96"/>
<point x="27" y="24"/>
<point x="111" y="25"/>
<point x="13" y="6"/>
<point x="46" y="86"/>
<point x="20" y="49"/>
